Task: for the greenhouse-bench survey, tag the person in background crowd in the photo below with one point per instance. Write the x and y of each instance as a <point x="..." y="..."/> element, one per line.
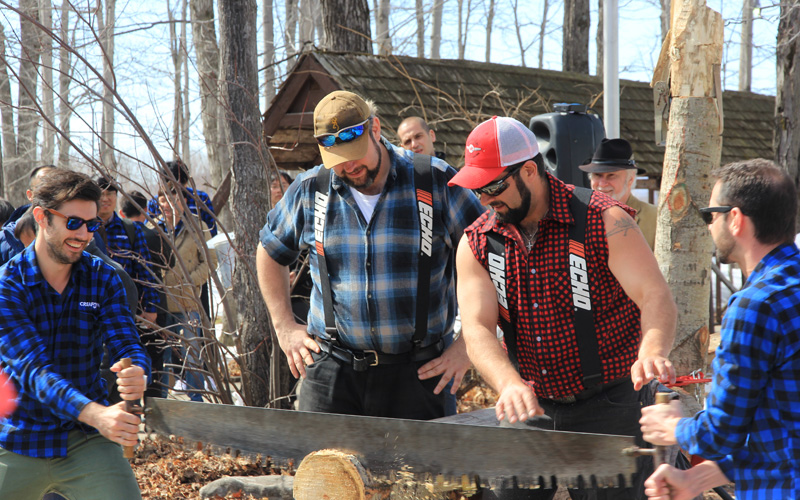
<point x="160" y="255"/>
<point x="369" y="363"/>
<point x="183" y="290"/>
<point x="751" y="421"/>
<point x="278" y="186"/>
<point x="63" y="437"/>
<point x="612" y="171"/>
<point x="415" y="135"/>
<point x="587" y="316"/>
<point x="6" y="209"/>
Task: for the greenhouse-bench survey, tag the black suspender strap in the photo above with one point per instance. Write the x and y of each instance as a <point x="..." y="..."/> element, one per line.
<point x="320" y="210"/>
<point x="585" y="333"/>
<point x="423" y="184"/>
<point x="496" y="258"/>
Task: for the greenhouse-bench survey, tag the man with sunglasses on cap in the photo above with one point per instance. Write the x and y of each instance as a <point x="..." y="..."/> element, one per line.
<point x="751" y="421"/>
<point x="370" y="347"/>
<point x="59" y="306"/>
<point x="612" y="171"/>
<point x="588" y="319"/>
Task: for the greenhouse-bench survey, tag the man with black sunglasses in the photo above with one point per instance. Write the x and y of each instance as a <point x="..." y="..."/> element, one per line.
<point x="59" y="307"/>
<point x="370" y="347"/>
<point x="751" y="422"/>
<point x="588" y="319"/>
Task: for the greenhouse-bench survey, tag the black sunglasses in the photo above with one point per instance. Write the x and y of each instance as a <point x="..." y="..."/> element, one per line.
<point x="708" y="213"/>
<point x="347" y="134"/>
<point x="497" y="187"/>
<point x="75" y="223"/>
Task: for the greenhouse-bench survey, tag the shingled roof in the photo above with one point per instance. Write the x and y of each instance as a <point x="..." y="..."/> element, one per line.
<point x="454" y="96"/>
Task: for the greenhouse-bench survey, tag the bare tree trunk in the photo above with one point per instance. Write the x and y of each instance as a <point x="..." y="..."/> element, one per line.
<point x="64" y="77"/>
<point x="249" y="201"/>
<point x="382" y="27"/>
<point x="212" y="111"/>
<point x="599" y="39"/>
<point x="746" y="50"/>
<point x="489" y="21"/>
<point x="575" y="48"/>
<point x="542" y="33"/>
<point x="7" y="116"/>
<point x="27" y="116"/>
<point x="186" y="119"/>
<point x="420" y="13"/>
<point x="291" y="29"/>
<point x="786" y="140"/>
<point x="48" y="134"/>
<point x="518" y="31"/>
<point x="436" y="29"/>
<point x="319" y="26"/>
<point x="177" y="97"/>
<point x="665" y="18"/>
<point x="269" y="52"/>
<point x="694" y="144"/>
<point x="306" y="39"/>
<point x="107" y="42"/>
<point x="346" y="25"/>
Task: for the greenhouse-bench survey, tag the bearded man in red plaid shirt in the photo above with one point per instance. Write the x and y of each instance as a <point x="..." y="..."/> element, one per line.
<point x="556" y="293"/>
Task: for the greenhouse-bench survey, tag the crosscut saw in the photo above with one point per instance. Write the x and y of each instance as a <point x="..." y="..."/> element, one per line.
<point x="470" y="444"/>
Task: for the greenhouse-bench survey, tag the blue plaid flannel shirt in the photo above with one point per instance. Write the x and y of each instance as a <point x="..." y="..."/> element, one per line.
<point x="51" y="346"/>
<point x="206" y="212"/>
<point x="751" y="426"/>
<point x="373" y="266"/>
<point x="133" y="256"/>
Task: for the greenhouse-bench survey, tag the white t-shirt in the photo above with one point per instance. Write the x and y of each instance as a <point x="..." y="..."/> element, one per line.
<point x="366" y="202"/>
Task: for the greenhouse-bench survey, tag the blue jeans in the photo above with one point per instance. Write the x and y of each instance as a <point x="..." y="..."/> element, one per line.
<point x="184" y="325"/>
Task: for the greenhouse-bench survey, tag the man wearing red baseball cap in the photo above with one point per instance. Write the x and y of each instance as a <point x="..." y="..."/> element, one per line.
<point x="372" y="345"/>
<point x="588" y="319"/>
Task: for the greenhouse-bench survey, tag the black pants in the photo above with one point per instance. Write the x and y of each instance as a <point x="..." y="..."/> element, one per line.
<point x="332" y="386"/>
<point x="614" y="411"/>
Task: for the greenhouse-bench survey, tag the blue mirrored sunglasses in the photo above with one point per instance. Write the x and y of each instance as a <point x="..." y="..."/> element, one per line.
<point x="344" y="135"/>
<point x="74" y="223"/>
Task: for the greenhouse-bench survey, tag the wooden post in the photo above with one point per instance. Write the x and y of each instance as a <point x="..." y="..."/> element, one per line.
<point x="331" y="474"/>
<point x="691" y="56"/>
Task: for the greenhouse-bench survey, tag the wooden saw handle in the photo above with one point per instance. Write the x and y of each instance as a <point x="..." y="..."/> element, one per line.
<point x="662" y="398"/>
<point x="127" y="451"/>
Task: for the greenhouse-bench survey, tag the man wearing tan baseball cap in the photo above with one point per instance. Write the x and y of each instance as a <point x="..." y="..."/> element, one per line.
<point x="370" y="226"/>
<point x="588" y="319"/>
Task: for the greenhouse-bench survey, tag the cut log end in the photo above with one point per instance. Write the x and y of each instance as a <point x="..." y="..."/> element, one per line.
<point x="332" y="475"/>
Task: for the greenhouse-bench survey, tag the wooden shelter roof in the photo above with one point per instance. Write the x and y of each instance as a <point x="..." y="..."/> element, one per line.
<point x="454" y="96"/>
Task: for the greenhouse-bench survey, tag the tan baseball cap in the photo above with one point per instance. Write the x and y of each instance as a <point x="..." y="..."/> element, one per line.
<point x="336" y="111"/>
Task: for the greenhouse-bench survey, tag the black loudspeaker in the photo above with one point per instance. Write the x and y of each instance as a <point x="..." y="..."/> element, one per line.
<point x="567" y="138"/>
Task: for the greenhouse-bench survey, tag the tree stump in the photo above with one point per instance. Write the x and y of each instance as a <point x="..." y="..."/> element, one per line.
<point x="330" y="475"/>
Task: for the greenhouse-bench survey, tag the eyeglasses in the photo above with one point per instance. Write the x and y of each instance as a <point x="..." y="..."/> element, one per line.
<point x="497" y="187"/>
<point x="708" y="213"/>
<point x="347" y="134"/>
<point x="75" y="223"/>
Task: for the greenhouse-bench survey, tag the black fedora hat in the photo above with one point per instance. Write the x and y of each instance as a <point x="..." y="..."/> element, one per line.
<point x="611" y="155"/>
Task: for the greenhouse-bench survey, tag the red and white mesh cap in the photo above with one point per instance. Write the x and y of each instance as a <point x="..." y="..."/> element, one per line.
<point x="494" y="145"/>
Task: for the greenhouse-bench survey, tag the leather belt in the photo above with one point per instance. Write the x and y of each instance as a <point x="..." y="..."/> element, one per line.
<point x="363" y="360"/>
<point x="588" y="393"/>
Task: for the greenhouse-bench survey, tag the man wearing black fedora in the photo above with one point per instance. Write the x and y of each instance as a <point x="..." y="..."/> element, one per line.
<point x="612" y="171"/>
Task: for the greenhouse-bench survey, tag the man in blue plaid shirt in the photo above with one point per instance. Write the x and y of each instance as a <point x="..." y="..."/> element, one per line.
<point x="371" y="245"/>
<point x="58" y="307"/>
<point x="751" y="425"/>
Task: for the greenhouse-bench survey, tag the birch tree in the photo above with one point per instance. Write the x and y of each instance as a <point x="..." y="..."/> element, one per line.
<point x="48" y="134"/>
<point x="383" y="37"/>
<point x="177" y="76"/>
<point x="9" y="149"/>
<point x="268" y="34"/>
<point x="306" y="25"/>
<point x="186" y="118"/>
<point x="575" y="45"/>
<point x="65" y="70"/>
<point x="290" y="31"/>
<point x="542" y="33"/>
<point x="665" y="17"/>
<point x="599" y="39"/>
<point x="106" y="22"/>
<point x="463" y="26"/>
<point x="419" y="11"/>
<point x="489" y="22"/>
<point x="746" y="49"/>
<point x="436" y="29"/>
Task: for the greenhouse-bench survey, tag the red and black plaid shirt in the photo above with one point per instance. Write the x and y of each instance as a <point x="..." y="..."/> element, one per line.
<point x="547" y="349"/>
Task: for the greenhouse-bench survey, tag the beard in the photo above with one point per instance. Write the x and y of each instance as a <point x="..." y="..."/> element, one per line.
<point x="372" y="174"/>
<point x="515" y="215"/>
<point x="725" y="246"/>
<point x="58" y="255"/>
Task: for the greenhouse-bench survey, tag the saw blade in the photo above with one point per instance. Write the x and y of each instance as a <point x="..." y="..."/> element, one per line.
<point x="528" y="457"/>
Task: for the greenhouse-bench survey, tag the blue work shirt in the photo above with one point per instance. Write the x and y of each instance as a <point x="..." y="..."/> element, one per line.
<point x="373" y="265"/>
<point x="51" y="346"/>
<point x="205" y="208"/>
<point x="751" y="426"/>
<point x="134" y="257"/>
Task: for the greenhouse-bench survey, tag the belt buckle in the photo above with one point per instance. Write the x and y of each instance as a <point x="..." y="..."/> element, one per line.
<point x="374" y="353"/>
<point x="360" y="364"/>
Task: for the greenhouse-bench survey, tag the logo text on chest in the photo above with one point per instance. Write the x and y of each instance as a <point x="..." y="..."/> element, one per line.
<point x="497" y="271"/>
<point x="579" y="280"/>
